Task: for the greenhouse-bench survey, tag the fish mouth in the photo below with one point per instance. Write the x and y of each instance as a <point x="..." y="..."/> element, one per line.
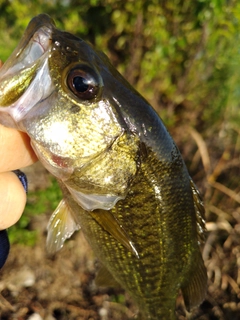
<point x="24" y="70"/>
<point x="29" y="55"/>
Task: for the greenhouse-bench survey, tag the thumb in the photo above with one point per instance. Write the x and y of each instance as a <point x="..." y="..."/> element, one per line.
<point x="13" y="199"/>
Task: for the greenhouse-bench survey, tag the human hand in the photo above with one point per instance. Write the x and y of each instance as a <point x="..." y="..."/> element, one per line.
<point x="16" y="152"/>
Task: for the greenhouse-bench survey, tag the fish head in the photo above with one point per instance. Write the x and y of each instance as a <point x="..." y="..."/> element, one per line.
<point x="55" y="88"/>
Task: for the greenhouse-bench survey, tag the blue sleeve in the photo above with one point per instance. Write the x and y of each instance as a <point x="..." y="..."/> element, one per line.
<point x="4" y="247"/>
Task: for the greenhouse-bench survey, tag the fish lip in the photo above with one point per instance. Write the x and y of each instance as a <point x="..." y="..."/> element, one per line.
<point x="38" y="36"/>
<point x="31" y="53"/>
<point x="43" y="37"/>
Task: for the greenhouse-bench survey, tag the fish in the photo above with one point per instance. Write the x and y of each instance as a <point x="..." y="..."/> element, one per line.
<point x="123" y="179"/>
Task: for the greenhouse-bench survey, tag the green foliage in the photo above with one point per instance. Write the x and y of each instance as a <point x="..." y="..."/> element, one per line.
<point x="42" y="201"/>
<point x="182" y="56"/>
<point x="20" y="233"/>
<point x="120" y="298"/>
<point x="39" y="202"/>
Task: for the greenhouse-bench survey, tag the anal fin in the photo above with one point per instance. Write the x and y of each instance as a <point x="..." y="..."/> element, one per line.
<point x="104" y="278"/>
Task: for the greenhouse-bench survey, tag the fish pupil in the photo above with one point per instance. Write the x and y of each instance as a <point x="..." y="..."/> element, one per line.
<point x="83" y="82"/>
<point x="80" y="84"/>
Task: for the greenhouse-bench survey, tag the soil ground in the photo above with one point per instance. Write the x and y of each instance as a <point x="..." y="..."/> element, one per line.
<point x="36" y="286"/>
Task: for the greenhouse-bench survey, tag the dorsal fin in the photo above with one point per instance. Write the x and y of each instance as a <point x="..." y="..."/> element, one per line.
<point x="194" y="292"/>
<point x="200" y="212"/>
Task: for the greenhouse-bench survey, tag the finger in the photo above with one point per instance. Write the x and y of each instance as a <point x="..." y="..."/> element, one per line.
<point x="15" y="149"/>
<point x="13" y="199"/>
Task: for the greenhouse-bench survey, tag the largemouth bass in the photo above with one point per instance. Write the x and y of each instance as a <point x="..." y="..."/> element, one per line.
<point x="123" y="179"/>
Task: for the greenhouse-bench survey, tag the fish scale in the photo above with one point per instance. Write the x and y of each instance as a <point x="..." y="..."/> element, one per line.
<point x="153" y="281"/>
<point x="123" y="179"/>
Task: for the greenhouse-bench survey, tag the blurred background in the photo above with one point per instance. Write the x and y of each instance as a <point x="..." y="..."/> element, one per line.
<point x="184" y="58"/>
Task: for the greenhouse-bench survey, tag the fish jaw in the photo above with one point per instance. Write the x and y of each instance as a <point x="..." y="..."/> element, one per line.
<point x="24" y="78"/>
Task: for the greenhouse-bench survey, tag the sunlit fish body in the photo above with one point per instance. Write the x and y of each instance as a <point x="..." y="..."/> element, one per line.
<point x="123" y="179"/>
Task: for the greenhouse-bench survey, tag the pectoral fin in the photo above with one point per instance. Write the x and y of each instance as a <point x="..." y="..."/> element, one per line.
<point x="60" y="227"/>
<point x="111" y="225"/>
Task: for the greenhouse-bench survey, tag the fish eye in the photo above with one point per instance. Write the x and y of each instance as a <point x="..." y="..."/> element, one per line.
<point x="83" y="82"/>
